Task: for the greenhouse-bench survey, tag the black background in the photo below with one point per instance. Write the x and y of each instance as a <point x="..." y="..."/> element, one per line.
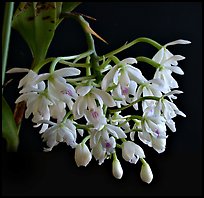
<point x="178" y="170"/>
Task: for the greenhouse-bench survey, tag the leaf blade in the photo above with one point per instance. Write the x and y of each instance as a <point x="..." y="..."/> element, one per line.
<point x="9" y="129"/>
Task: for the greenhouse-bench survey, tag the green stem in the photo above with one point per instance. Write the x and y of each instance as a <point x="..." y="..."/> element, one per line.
<point x="44" y="62"/>
<point x="126" y="46"/>
<point x="82" y="126"/>
<point x="130" y="118"/>
<point x="86" y="139"/>
<point x="84" y="65"/>
<point x="148" y="60"/>
<point x="80" y="78"/>
<point x="134" y="130"/>
<point x="91" y="46"/>
<point x="114" y="156"/>
<point x="143" y="161"/>
<point x="115" y="59"/>
<point x="66" y="116"/>
<point x="6" y="36"/>
<point x="54" y="63"/>
<point x="136" y="101"/>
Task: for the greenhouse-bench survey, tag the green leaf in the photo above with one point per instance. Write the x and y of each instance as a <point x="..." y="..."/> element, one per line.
<point x="9" y="129"/>
<point x="69" y="6"/>
<point x="36" y="22"/>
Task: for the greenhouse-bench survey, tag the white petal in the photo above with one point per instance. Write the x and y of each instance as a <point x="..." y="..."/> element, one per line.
<point x="117" y="131"/>
<point x="42" y="77"/>
<point x="176" y="69"/>
<point x="69" y="124"/>
<point x="108" y="78"/>
<point x="124" y="78"/>
<point x="80" y="131"/>
<point x="82" y="91"/>
<point x="47" y="122"/>
<point x="69" y="137"/>
<point x="173" y="60"/>
<point x="159" y="144"/>
<point x="158" y="57"/>
<point x="129" y="61"/>
<point x="171" y="125"/>
<point x="44" y="127"/>
<point x="132" y="87"/>
<point x="28" y="79"/>
<point x="99" y="100"/>
<point x="82" y="105"/>
<point x="169" y="79"/>
<point x="179" y="41"/>
<point x="28" y="111"/>
<point x="107" y="98"/>
<point x="180" y="113"/>
<point x="24" y="97"/>
<point x="132" y="136"/>
<point x="98" y="152"/>
<point x="173" y="92"/>
<point x="17" y="70"/>
<point x="67" y="72"/>
<point x="116" y="77"/>
<point x="135" y="74"/>
<point x="145" y="138"/>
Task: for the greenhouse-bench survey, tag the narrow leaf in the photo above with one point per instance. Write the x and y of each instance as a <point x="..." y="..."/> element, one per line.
<point x="9" y="129"/>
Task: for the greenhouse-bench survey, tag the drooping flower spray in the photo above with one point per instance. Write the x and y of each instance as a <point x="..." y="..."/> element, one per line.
<point x="97" y="89"/>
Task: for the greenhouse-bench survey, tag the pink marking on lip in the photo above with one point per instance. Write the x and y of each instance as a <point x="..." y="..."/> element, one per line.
<point x="125" y="90"/>
<point x="94" y="114"/>
<point x="157" y="132"/>
<point x="68" y="92"/>
<point x="108" y="145"/>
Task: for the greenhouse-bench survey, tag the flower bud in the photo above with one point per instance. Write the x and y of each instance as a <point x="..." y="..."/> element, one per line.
<point x="117" y="169"/>
<point x="82" y="155"/>
<point x="146" y="172"/>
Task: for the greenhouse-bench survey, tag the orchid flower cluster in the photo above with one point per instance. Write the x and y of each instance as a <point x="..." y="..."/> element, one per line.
<point x="87" y="100"/>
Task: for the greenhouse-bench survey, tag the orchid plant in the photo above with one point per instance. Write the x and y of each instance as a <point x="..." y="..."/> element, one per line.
<point x="84" y="102"/>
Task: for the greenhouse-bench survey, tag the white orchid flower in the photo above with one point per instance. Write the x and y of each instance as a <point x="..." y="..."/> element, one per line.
<point x="153" y="129"/>
<point x="107" y="130"/>
<point x="96" y="117"/>
<point x="99" y="153"/>
<point x="131" y="152"/>
<point x="38" y="104"/>
<point x="82" y="155"/>
<point x="119" y="119"/>
<point x="122" y="73"/>
<point x="157" y="143"/>
<point x="105" y="146"/>
<point x="170" y="110"/>
<point x="58" y="111"/>
<point x="103" y="142"/>
<point x="58" y="88"/>
<point x="28" y="82"/>
<point x="152" y="87"/>
<point x="123" y="92"/>
<point x="87" y="100"/>
<point x="61" y="132"/>
<point x="168" y="63"/>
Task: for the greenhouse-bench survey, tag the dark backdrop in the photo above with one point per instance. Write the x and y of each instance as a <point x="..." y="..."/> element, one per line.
<point x="177" y="171"/>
